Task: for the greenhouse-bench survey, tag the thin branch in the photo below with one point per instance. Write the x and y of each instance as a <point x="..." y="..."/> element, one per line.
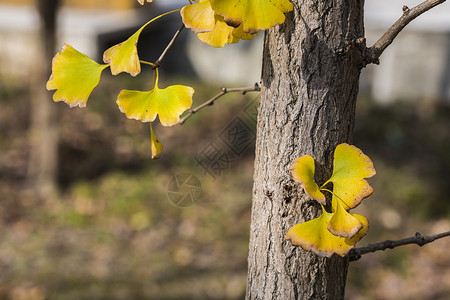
<point x="243" y="91"/>
<point x="418" y="239"/>
<point x="373" y="53"/>
<point x="175" y="36"/>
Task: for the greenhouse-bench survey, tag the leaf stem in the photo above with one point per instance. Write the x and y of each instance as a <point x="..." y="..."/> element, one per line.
<point x="327" y="190"/>
<point x="155" y="78"/>
<point x="156" y="18"/>
<point x="326" y="182"/>
<point x="147" y="63"/>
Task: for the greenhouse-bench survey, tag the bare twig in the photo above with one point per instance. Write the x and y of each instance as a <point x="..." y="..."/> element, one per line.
<point x="373" y="53"/>
<point x="418" y="239"/>
<point x="175" y="36"/>
<point x="243" y="91"/>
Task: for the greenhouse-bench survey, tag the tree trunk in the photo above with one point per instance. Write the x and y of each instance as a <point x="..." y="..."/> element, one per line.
<point x="43" y="158"/>
<point x="310" y="80"/>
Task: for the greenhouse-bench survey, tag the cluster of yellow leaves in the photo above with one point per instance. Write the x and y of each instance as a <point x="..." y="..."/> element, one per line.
<point x="338" y="231"/>
<point x="221" y="22"/>
<point x="75" y="75"/>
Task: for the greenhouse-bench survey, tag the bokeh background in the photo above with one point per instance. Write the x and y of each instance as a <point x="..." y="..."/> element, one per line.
<point x="107" y="222"/>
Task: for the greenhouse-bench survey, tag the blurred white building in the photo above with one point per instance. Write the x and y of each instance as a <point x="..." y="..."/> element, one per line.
<point x="417" y="64"/>
<point x="19" y="33"/>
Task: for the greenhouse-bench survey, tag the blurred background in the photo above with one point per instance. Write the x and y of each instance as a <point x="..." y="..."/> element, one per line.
<point x="86" y="214"/>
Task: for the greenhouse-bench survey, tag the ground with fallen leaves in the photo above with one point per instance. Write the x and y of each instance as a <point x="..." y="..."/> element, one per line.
<point x="113" y="233"/>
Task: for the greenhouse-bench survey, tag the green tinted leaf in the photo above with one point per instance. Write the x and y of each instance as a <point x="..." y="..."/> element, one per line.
<point x="74" y="76"/>
<point x="350" y="168"/>
<point x="168" y="103"/>
<point x="124" y="57"/>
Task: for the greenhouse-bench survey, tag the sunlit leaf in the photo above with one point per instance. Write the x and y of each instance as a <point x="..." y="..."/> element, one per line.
<point x="156" y="145"/>
<point x="124" y="57"/>
<point x="350" y="168"/>
<point x="74" y="76"/>
<point x="199" y="17"/>
<point x="255" y="15"/>
<point x="220" y="36"/>
<point x="314" y="235"/>
<point x="362" y="232"/>
<point x="303" y="170"/>
<point x="283" y="5"/>
<point x="343" y="223"/>
<point x="168" y="103"/>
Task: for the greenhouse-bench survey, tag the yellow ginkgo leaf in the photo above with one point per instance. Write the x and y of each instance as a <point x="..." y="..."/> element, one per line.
<point x="199" y="17"/>
<point x="221" y="35"/>
<point x="283" y="5"/>
<point x="343" y="223"/>
<point x="303" y="170"/>
<point x="350" y="168"/>
<point x="168" y="103"/>
<point x="124" y="57"/>
<point x="74" y="76"/>
<point x="314" y="235"/>
<point x="255" y="15"/>
<point x="362" y="232"/>
<point x="156" y="145"/>
<point x="239" y="33"/>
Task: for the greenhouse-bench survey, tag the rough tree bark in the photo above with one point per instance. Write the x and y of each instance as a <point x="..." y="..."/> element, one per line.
<point x="310" y="80"/>
<point x="43" y="158"/>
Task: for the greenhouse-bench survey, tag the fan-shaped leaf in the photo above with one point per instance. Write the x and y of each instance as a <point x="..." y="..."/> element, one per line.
<point x="350" y="168"/>
<point x="255" y="15"/>
<point x="74" y="76"/>
<point x="220" y="36"/>
<point x="124" y="57"/>
<point x="343" y="223"/>
<point x="314" y="235"/>
<point x="303" y="170"/>
<point x="199" y="17"/>
<point x="168" y="103"/>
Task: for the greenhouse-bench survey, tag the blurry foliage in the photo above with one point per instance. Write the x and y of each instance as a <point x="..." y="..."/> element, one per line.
<point x="113" y="234"/>
<point x="409" y="145"/>
<point x="411" y="142"/>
